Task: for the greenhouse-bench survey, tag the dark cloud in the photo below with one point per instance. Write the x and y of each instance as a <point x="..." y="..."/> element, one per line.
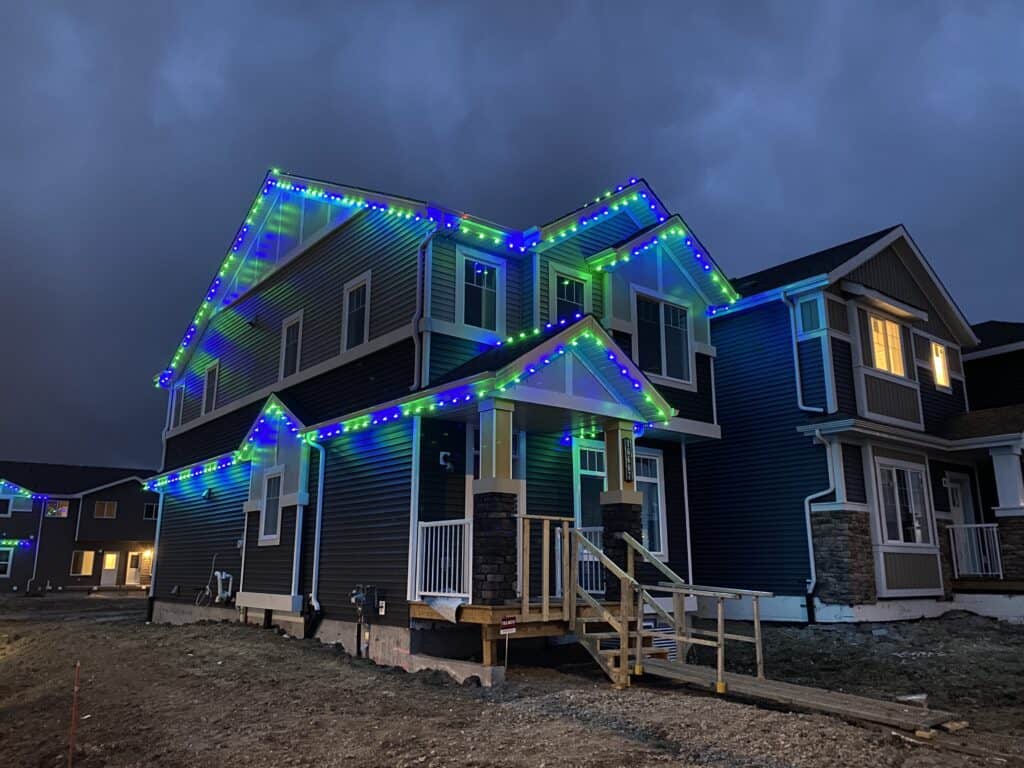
<point x="135" y="137"/>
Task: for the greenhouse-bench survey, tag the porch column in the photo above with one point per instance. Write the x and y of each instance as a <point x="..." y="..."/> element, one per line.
<point x="621" y="504"/>
<point x="494" y="508"/>
<point x="1006" y="461"/>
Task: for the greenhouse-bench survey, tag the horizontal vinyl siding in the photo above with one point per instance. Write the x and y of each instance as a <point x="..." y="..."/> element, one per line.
<point x="246" y="337"/>
<point x="549" y="485"/>
<point x="846" y="394"/>
<point x="698" y="405"/>
<point x="221" y="435"/>
<point x="938" y="406"/>
<point x="853" y="472"/>
<point x="747" y="489"/>
<point x="365" y="536"/>
<point x="442" y="279"/>
<point x="128" y="525"/>
<point x="887" y="398"/>
<point x="442" y="491"/>
<point x="449" y="352"/>
<point x="269" y="568"/>
<point x="56" y="543"/>
<point x="675" y="506"/>
<point x="194" y="529"/>
<point x="812" y="372"/>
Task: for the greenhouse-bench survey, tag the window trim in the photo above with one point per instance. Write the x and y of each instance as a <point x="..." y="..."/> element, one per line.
<point x="177" y="406"/>
<point x="67" y="508"/>
<point x="638" y="292"/>
<point x="214" y="366"/>
<point x="351" y="285"/>
<point x="288" y="322"/>
<point x="658" y="455"/>
<point x="95" y="507"/>
<point x="92" y="562"/>
<point x="266" y="540"/>
<point x="462" y="255"/>
<point x="10" y="562"/>
<point x="905" y="376"/>
<point x="146" y="506"/>
<point x="817" y="300"/>
<point x="948" y="385"/>
<point x="10" y="505"/>
<point x="884" y="462"/>
<point x="554" y="270"/>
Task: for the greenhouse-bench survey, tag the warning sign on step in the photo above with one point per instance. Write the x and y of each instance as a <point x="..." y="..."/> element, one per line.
<point x="508" y="625"/>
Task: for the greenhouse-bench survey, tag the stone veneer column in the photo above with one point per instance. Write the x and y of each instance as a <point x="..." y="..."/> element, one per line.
<point x="1011" y="547"/>
<point x="843" y="557"/>
<point x="945" y="556"/>
<point x="621" y="504"/>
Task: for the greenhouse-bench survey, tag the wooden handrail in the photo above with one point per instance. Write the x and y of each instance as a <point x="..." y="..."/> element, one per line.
<point x="686" y="589"/>
<point x="733" y="590"/>
<point x="606" y="561"/>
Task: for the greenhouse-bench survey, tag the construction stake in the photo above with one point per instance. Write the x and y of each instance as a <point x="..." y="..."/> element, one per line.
<point x="74" y="714"/>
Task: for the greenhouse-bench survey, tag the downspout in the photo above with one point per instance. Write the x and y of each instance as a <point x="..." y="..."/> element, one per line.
<point x="156" y="556"/>
<point x="812" y="582"/>
<point x="319" y="522"/>
<point x="796" y="357"/>
<point x="39" y="538"/>
<point x="421" y="257"/>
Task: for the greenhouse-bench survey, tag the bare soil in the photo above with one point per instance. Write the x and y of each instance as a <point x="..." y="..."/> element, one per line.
<point x="229" y="695"/>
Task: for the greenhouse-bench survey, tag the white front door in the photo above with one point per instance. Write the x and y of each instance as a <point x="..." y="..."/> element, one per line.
<point x="131" y="573"/>
<point x="961" y="500"/>
<point x="108" y="577"/>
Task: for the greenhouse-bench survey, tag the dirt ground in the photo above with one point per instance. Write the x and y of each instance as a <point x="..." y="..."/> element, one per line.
<point x="229" y="695"/>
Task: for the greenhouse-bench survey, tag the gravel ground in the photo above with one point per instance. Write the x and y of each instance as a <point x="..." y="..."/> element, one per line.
<point x="228" y="695"/>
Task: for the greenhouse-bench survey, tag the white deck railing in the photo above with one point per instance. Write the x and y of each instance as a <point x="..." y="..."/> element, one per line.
<point x="444" y="552"/>
<point x="591" y="573"/>
<point x="975" y="550"/>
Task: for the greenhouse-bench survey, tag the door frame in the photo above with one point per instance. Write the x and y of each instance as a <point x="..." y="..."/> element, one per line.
<point x="128" y="569"/>
<point x="963" y="481"/>
<point x="103" y="569"/>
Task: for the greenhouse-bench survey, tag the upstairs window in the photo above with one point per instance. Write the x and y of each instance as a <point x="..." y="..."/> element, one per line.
<point x="270" y="521"/>
<point x="480" y="295"/>
<point x="177" y="405"/>
<point x="905" y="518"/>
<point x="569" y="298"/>
<point x="887" y="346"/>
<point x="940" y="366"/>
<point x="149" y="511"/>
<point x="810" y="315"/>
<point x="357" y="301"/>
<point x="663" y="338"/>
<point x="82" y="562"/>
<point x="210" y="388"/>
<point x="105" y="510"/>
<point x="21" y="504"/>
<point x="291" y="341"/>
<point x="57" y="508"/>
<point x="6" y="561"/>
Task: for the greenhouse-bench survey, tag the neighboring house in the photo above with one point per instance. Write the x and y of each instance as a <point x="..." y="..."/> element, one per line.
<point x="851" y="479"/>
<point x="995" y="368"/>
<point x="374" y="387"/>
<point x="73" y="527"/>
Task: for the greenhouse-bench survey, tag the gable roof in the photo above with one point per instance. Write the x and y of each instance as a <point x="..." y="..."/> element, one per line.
<point x="64" y="479"/>
<point x="997" y="333"/>
<point x="818" y="263"/>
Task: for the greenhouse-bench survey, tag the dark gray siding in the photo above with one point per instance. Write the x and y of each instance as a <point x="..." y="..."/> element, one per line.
<point x="223" y="434"/>
<point x="842" y="360"/>
<point x="442" y="491"/>
<point x="624" y="340"/>
<point x="853" y="472"/>
<point x="838" y="319"/>
<point x="21" y="525"/>
<point x="549" y="484"/>
<point x="444" y="280"/>
<point x="269" y="569"/>
<point x="56" y="544"/>
<point x="365" y="537"/>
<point x="812" y="372"/>
<point x="449" y="352"/>
<point x="888" y="398"/>
<point x="697" y="405"/>
<point x="194" y="529"/>
<point x="996" y="381"/>
<point x="128" y="525"/>
<point x="246" y="336"/>
<point x="940" y="494"/>
<point x="939" y="406"/>
<point x="526" y="282"/>
<point x="675" y="509"/>
<point x="747" y="489"/>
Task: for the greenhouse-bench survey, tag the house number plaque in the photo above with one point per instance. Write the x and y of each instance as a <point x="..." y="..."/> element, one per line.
<point x="627" y="459"/>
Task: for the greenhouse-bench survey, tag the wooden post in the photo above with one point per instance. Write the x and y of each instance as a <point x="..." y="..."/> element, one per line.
<point x="524" y="568"/>
<point x="720" y="678"/>
<point x="679" y="614"/>
<point x="74" y="713"/>
<point x="545" y="571"/>
<point x="630" y="562"/>
<point x="624" y="608"/>
<point x="490" y="648"/>
<point x="574" y="577"/>
<point x="758" y="649"/>
<point x="567" y="594"/>
<point x="638" y="662"/>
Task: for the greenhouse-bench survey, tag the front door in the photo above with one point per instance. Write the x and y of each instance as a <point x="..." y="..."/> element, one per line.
<point x="131" y="574"/>
<point x="961" y="500"/>
<point x="108" y="577"/>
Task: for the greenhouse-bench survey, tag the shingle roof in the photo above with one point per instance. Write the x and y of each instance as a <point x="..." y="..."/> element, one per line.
<point x="1006" y="420"/>
<point x="813" y="264"/>
<point x="64" y="478"/>
<point x="997" y="333"/>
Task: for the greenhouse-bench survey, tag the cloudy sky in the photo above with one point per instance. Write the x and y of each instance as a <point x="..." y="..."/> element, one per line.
<point x="135" y="135"/>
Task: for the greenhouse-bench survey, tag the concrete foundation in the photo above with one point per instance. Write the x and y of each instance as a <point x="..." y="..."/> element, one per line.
<point x="168" y="612"/>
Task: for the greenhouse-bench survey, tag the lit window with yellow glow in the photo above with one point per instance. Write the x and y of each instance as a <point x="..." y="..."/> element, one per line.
<point x="939" y="365"/>
<point x="887" y="346"/>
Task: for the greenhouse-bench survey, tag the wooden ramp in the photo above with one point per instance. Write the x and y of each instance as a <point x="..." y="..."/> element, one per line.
<point x="801" y="697"/>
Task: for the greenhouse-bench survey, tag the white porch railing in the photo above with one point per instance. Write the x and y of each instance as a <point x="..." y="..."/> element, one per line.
<point x="591" y="573"/>
<point x="444" y="556"/>
<point x="975" y="550"/>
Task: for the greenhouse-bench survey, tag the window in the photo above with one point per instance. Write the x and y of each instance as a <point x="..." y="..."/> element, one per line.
<point x="663" y="338"/>
<point x="57" y="508"/>
<point x="649" y="484"/>
<point x="105" y="510"/>
<point x="810" y="316"/>
<point x="905" y="518"/>
<point x="149" y="511"/>
<point x="177" y="405"/>
<point x="939" y="365"/>
<point x="291" y="341"/>
<point x="81" y="562"/>
<point x="569" y="298"/>
<point x="210" y="388"/>
<point x="6" y="561"/>
<point x="480" y="294"/>
<point x="591" y="483"/>
<point x="21" y="504"/>
<point x="887" y="346"/>
<point x="357" y="299"/>
<point x="270" y="522"/>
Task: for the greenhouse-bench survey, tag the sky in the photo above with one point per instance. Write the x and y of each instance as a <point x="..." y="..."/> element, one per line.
<point x="135" y="136"/>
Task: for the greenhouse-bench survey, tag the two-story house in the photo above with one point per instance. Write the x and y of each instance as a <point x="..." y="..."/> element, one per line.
<point x="851" y="478"/>
<point x="388" y="396"/>
<point x="74" y="527"/>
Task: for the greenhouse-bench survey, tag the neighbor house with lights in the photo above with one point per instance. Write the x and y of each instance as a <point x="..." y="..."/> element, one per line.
<point x="72" y="527"/>
<point x="387" y="414"/>
<point x="852" y="479"/>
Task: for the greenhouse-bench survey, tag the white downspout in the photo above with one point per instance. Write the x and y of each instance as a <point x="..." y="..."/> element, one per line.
<point x="812" y="582"/>
<point x="156" y="543"/>
<point x="319" y="522"/>
<point x="421" y="255"/>
<point x="791" y="304"/>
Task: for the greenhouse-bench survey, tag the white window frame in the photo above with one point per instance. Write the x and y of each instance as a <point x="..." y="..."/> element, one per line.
<point x="265" y="539"/>
<point x="214" y="366"/>
<point x="288" y="322"/>
<point x="905" y="375"/>
<point x="556" y="270"/>
<point x="351" y="285"/>
<point x="658" y="456"/>
<point x="10" y="562"/>
<point x="145" y="507"/>
<point x="177" y="406"/>
<point x="817" y="300"/>
<point x="462" y="255"/>
<point x="639" y="292"/>
<point x="92" y="562"/>
<point x="95" y="508"/>
<point x="947" y="385"/>
<point x="886" y="463"/>
<point x="66" y="504"/>
<point x="21" y="500"/>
